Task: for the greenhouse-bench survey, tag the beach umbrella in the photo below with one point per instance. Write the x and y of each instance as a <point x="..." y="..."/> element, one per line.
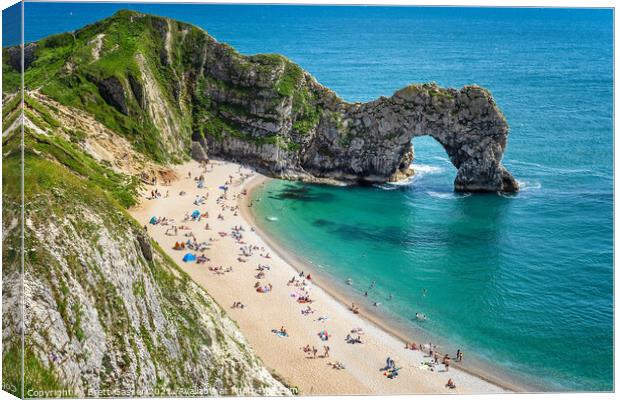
<point x="189" y="257"/>
<point x="224" y="187"/>
<point x="153" y="220"/>
<point x="195" y="214"/>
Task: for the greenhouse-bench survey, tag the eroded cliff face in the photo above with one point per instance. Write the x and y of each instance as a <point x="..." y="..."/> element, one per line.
<point x="177" y="83"/>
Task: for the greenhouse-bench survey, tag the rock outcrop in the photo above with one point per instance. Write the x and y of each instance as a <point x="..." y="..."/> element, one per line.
<point x="112" y="92"/>
<point x="14" y="56"/>
<point x="377" y="137"/>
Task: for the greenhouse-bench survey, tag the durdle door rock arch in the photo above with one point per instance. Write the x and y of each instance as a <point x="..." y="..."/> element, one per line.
<point x="371" y="142"/>
<point x="378" y="148"/>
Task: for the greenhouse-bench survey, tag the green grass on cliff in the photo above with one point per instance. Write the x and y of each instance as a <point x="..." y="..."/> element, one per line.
<point x="121" y="187"/>
<point x="66" y="69"/>
<point x="11" y="79"/>
<point x="36" y="375"/>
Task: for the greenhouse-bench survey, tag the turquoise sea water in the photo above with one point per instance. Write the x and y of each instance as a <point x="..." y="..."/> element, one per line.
<point x="524" y="281"/>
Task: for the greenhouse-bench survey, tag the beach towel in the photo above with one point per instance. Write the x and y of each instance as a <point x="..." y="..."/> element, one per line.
<point x="279" y="333"/>
<point x="189" y="257"/>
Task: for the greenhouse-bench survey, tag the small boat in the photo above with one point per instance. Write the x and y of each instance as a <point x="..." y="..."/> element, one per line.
<point x="272" y="218"/>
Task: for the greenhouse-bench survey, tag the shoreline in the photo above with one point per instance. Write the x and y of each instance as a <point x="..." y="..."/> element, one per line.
<point x="230" y="276"/>
<point x="381" y="323"/>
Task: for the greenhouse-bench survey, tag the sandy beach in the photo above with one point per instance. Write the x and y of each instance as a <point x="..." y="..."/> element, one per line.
<point x="230" y="276"/>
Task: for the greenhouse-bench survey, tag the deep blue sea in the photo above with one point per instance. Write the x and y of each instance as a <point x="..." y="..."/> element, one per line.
<point x="522" y="281"/>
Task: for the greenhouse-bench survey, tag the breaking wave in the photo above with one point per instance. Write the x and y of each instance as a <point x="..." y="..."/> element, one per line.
<point x="528" y="186"/>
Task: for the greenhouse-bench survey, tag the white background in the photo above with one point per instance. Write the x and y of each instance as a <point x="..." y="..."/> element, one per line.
<point x="590" y="4"/>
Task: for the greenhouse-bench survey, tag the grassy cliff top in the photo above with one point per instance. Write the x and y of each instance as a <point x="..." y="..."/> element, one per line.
<point x="110" y="68"/>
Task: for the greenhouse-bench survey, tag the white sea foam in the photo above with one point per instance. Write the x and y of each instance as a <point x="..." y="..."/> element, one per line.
<point x="420" y="171"/>
<point x="392" y="185"/>
<point x="528" y="186"/>
<point x="447" y="195"/>
<point x="424" y="169"/>
<point x="442" y="159"/>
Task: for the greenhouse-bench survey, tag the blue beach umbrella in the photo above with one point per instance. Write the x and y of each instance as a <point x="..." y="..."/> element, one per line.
<point x="189" y="257"/>
<point x="196" y="214"/>
<point x="153" y="220"/>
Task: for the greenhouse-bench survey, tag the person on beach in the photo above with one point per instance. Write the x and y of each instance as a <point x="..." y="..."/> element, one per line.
<point x="458" y="354"/>
<point x="325" y="351"/>
<point x="238" y="304"/>
<point x="389" y="364"/>
<point x="314" y="351"/>
<point x="450" y="384"/>
<point x="459" y="358"/>
<point x="446" y="362"/>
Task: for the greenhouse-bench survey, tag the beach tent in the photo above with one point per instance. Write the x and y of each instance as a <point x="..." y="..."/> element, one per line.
<point x="153" y="221"/>
<point x="196" y="214"/>
<point x="189" y="257"/>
